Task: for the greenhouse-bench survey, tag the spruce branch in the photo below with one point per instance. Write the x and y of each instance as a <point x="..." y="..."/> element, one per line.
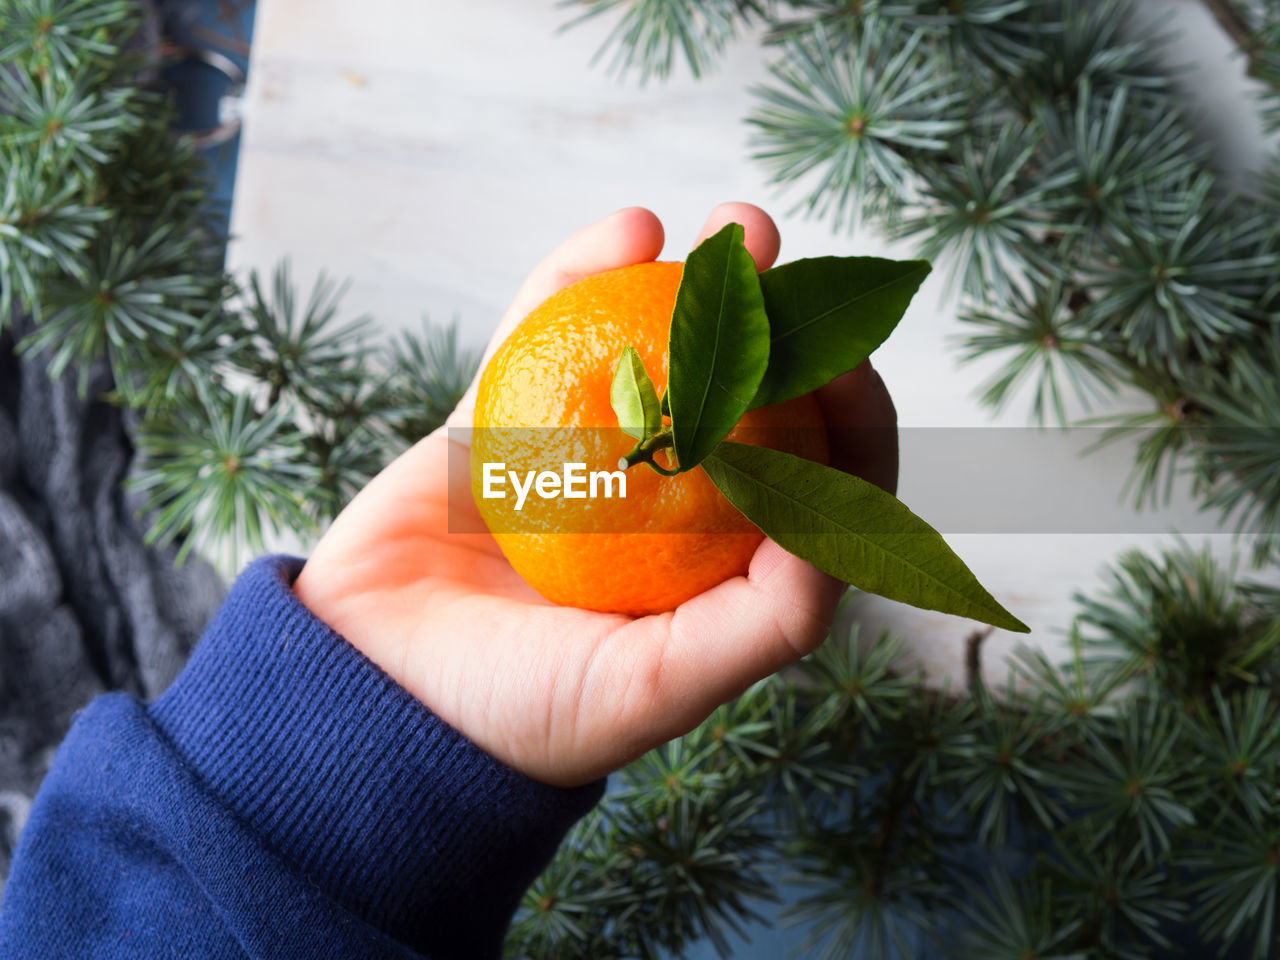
<point x="1182" y="278"/>
<point x="1265" y="61"/>
<point x="66" y="125"/>
<point x="154" y="177"/>
<point x="1125" y="901"/>
<point x="1047" y="346"/>
<point x="1072" y="698"/>
<point x="351" y="407"/>
<point x="132" y="289"/>
<point x="1094" y="45"/>
<point x="429" y="374"/>
<point x="58" y="38"/>
<point x="651" y="35"/>
<point x="673" y="774"/>
<point x="859" y="683"/>
<point x="345" y="457"/>
<point x="1013" y="921"/>
<point x="43" y="226"/>
<point x="734" y="739"/>
<point x="1238" y="745"/>
<point x="1239" y="892"/>
<point x="873" y="893"/>
<point x="1119" y="142"/>
<point x="302" y="353"/>
<point x="1128" y="783"/>
<point x="554" y="912"/>
<point x="1002" y="36"/>
<point x="697" y="862"/>
<point x="1177" y="623"/>
<point x="1167" y="435"/>
<point x="986" y="213"/>
<point x="1238" y="463"/>
<point x="853" y="116"/>
<point x="215" y="465"/>
<point x="999" y="760"/>
<point x="806" y="765"/>
<point x="1135" y="782"/>
<point x="164" y="369"/>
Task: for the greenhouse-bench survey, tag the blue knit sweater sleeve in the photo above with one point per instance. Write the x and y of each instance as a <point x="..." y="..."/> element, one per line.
<point x="284" y="799"/>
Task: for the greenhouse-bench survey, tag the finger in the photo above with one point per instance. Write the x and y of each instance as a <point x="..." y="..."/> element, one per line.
<point x="627" y="236"/>
<point x="762" y="238"/>
<point x="719" y="643"/>
<point x="862" y="425"/>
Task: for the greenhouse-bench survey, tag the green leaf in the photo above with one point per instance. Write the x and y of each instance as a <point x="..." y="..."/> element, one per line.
<point x="634" y="397"/>
<point x="852" y="530"/>
<point x="719" y="344"/>
<point x="827" y="314"/>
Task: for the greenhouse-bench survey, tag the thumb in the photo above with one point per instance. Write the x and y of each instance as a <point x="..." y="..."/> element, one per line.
<point x="716" y="645"/>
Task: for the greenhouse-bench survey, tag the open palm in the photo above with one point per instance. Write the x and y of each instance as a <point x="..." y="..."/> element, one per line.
<point x="411" y="577"/>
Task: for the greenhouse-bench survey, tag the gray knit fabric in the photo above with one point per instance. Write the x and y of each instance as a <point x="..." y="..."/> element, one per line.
<point x="85" y="607"/>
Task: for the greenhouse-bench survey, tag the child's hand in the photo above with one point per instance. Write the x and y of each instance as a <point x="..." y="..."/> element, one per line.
<point x="565" y="695"/>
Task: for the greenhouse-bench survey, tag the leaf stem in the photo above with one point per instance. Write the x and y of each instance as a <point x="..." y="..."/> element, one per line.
<point x="644" y="451"/>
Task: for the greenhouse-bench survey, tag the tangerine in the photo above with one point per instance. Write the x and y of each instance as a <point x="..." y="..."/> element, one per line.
<point x="544" y="401"/>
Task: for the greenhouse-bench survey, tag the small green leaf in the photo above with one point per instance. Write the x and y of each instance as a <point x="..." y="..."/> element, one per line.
<point x="827" y="314"/>
<point x="634" y="397"/>
<point x="852" y="530"/>
<point x="719" y="345"/>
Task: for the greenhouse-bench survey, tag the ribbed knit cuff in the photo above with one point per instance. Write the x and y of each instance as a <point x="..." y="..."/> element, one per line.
<point x="390" y="811"/>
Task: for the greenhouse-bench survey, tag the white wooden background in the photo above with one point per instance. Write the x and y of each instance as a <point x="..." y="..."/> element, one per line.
<point x="434" y="150"/>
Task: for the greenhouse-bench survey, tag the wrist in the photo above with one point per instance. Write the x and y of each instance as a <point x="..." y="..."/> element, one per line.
<point x="393" y="813"/>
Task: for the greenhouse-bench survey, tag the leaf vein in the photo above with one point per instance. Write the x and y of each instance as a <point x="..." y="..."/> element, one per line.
<point x="715" y="347"/>
<point x="885" y="555"/>
<point x="840" y="306"/>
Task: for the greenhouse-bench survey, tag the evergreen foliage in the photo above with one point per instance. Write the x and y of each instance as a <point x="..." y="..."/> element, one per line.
<point x="1122" y="804"/>
<point x="1043" y="150"/>
<point x="257" y="411"/>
